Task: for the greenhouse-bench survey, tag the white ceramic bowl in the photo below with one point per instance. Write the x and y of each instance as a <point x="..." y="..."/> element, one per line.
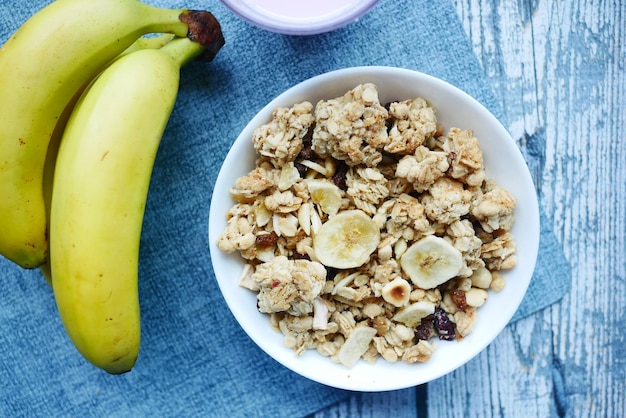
<point x="503" y="162"/>
<point x="300" y="18"/>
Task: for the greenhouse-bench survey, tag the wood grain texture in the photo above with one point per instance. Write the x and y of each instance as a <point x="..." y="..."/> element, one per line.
<point x="559" y="71"/>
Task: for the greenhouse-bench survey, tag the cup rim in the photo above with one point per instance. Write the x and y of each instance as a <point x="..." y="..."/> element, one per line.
<point x="296" y="26"/>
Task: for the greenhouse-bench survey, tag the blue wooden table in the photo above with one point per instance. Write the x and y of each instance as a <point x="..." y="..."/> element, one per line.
<point x="559" y="69"/>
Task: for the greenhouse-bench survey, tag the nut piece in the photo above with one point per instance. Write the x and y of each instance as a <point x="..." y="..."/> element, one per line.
<point x="397" y="292"/>
<point x="476" y="297"/>
<point x="481" y="278"/>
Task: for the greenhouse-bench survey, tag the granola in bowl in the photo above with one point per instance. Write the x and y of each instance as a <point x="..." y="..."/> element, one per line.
<point x="369" y="229"/>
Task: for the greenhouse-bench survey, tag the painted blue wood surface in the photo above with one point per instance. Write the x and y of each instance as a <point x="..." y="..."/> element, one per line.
<point x="559" y="70"/>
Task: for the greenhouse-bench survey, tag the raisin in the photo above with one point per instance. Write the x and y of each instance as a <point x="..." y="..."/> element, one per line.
<point x="339" y="178"/>
<point x="381" y="325"/>
<point x="266" y="240"/>
<point x="331" y="272"/>
<point x="306" y="153"/>
<point x="302" y="169"/>
<point x="443" y="326"/>
<point x="458" y="297"/>
<point x="308" y="136"/>
<point x="298" y="256"/>
<point x="425" y="329"/>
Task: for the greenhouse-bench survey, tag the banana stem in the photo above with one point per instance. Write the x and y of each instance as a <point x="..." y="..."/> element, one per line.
<point x="162" y="20"/>
<point x="204" y="29"/>
<point x="183" y="50"/>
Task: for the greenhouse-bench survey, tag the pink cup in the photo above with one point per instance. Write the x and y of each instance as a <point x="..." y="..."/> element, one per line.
<point x="300" y="17"/>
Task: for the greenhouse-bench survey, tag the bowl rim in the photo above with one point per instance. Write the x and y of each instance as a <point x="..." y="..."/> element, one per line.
<point x="357" y="378"/>
<point x="295" y="26"/>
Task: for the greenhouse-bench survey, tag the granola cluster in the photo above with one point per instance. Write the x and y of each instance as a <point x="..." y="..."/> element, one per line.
<point x="397" y="165"/>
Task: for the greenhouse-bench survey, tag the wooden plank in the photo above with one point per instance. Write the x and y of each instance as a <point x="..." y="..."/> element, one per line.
<point x="559" y="68"/>
<point x="396" y="404"/>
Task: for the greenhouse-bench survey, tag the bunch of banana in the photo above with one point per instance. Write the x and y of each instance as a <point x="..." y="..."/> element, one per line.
<point x="86" y="98"/>
<point x="43" y="66"/>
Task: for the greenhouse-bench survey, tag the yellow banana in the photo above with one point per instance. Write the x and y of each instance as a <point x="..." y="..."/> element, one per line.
<point x="101" y="181"/>
<point x="153" y="42"/>
<point x="42" y="66"/>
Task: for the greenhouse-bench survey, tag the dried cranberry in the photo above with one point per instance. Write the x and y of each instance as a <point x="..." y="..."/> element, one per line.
<point x="443" y="326"/>
<point x="425" y="329"/>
